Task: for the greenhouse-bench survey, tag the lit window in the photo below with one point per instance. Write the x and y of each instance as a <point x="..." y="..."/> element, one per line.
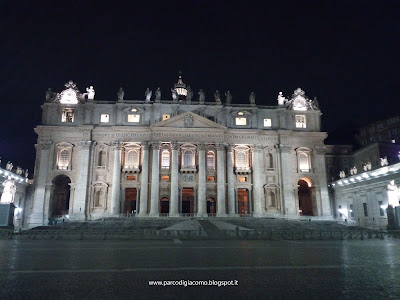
<point x="188" y="158"/>
<point x="210" y="178"/>
<point x="241" y="160"/>
<point x="351" y="211"/>
<point x="242" y="179"/>
<point x="105" y="118"/>
<point x="381" y="210"/>
<point x="241" y="121"/>
<point x="210" y="160"/>
<point x="132" y="159"/>
<point x="240" y="113"/>
<point x="133" y="118"/>
<point x="67" y="115"/>
<point x="300" y="121"/>
<point x="131" y="177"/>
<point x="165" y="159"/>
<point x="304" y="162"/>
<point x="164" y="178"/>
<point x="267" y="123"/>
<point x="166" y="117"/>
<point x="134" y="110"/>
<point x="63" y="159"/>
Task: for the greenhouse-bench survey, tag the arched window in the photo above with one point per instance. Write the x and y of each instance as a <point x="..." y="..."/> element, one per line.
<point x="165" y="159"/>
<point x="188" y="158"/>
<point x="63" y="159"/>
<point x="102" y="159"/>
<point x="269" y="161"/>
<point x="304" y="162"/>
<point x="132" y="158"/>
<point x="241" y="159"/>
<point x="210" y="160"/>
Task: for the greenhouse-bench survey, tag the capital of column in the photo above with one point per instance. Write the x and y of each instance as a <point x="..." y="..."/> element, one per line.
<point x="174" y="145"/>
<point x="320" y="150"/>
<point x="45" y="145"/>
<point x="117" y="145"/>
<point x="257" y="148"/>
<point x="283" y="148"/>
<point x="145" y="145"/>
<point x="155" y="145"/>
<point x="85" y="145"/>
<point x="230" y="147"/>
<point x="201" y="146"/>
<point x="221" y="147"/>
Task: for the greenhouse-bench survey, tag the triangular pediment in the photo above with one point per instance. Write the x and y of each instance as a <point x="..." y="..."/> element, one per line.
<point x="188" y="120"/>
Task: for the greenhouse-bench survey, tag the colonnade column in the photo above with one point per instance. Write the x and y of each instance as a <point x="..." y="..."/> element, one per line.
<point x="144" y="181"/>
<point x="116" y="181"/>
<point x="221" y="208"/>
<point x="257" y="185"/>
<point x="174" y="200"/>
<point x="201" y="196"/>
<point x="288" y="200"/>
<point x="231" y="181"/>
<point x="36" y="218"/>
<point x="324" y="208"/>
<point x="155" y="179"/>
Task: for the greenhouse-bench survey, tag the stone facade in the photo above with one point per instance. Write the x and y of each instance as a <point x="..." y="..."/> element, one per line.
<point x="179" y="157"/>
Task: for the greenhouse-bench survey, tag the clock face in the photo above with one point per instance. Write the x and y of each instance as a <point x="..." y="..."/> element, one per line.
<point x="68" y="97"/>
<point x="299" y="103"/>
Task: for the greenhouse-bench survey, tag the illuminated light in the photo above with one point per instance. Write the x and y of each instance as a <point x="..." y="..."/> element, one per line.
<point x="352" y="180"/>
<point x="340" y="182"/>
<point x="393" y="141"/>
<point x="346" y="181"/>
<point x="365" y="175"/>
<point x="358" y="178"/>
<point x="308" y="180"/>
<point x="343" y="211"/>
<point x="67" y="216"/>
<point x="240" y="113"/>
<point x="134" y="109"/>
<point x="333" y="184"/>
<point x="384" y="206"/>
<point x="1" y="172"/>
<point x="374" y="174"/>
<point x="350" y="210"/>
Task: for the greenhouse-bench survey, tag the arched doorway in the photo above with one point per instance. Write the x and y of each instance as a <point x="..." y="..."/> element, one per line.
<point x="243" y="202"/>
<point x="164" y="205"/>
<point x="60" y="196"/>
<point x="130" y="200"/>
<point x="305" y="199"/>
<point x="211" y="206"/>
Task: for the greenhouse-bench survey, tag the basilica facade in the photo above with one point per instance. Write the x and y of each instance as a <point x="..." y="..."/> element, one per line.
<point x="177" y="156"/>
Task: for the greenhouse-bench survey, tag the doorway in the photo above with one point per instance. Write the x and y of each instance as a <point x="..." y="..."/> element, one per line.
<point x="305" y="199"/>
<point x="130" y="200"/>
<point x="164" y="205"/>
<point x="60" y="197"/>
<point x="211" y="206"/>
<point x="187" y="200"/>
<point x="243" y="202"/>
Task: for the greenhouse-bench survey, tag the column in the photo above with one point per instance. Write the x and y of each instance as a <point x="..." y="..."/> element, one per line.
<point x="320" y="169"/>
<point x="231" y="181"/>
<point x="144" y="181"/>
<point x="221" y="208"/>
<point x="36" y="218"/>
<point x="236" y="201"/>
<point x="288" y="201"/>
<point x="155" y="180"/>
<point x="116" y="181"/>
<point x="174" y="199"/>
<point x="201" y="191"/>
<point x="137" y="201"/>
<point x="257" y="181"/>
<point x="81" y="188"/>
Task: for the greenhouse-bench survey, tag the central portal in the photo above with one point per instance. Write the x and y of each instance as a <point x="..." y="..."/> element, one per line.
<point x="243" y="202"/>
<point x="130" y="200"/>
<point x="187" y="201"/>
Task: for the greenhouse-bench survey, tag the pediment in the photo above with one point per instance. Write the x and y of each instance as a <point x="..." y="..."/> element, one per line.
<point x="188" y="120"/>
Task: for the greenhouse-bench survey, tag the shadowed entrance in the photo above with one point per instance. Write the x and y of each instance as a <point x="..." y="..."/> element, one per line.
<point x="211" y="206"/>
<point x="164" y="205"/>
<point x="305" y="200"/>
<point x="130" y="200"/>
<point x="243" y="202"/>
<point x="187" y="200"/>
<point x="60" y="197"/>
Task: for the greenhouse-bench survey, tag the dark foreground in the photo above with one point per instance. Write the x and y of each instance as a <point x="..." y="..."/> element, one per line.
<point x="262" y="269"/>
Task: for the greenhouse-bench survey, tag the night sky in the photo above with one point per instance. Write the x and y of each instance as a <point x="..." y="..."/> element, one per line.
<point x="346" y="53"/>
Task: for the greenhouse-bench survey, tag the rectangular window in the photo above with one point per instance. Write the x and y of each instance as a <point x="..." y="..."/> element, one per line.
<point x="365" y="210"/>
<point x="340" y="209"/>
<point x="351" y="211"/>
<point x="133" y="118"/>
<point x="210" y="178"/>
<point x="164" y="178"/>
<point x="241" y="121"/>
<point x="67" y="115"/>
<point x="104" y="118"/>
<point x="166" y="117"/>
<point x="130" y="177"/>
<point x="267" y="122"/>
<point x="300" y="121"/>
<point x="242" y="179"/>
<point x="381" y="210"/>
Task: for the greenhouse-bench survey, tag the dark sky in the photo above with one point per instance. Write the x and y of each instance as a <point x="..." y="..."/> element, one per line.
<point x="346" y="53"/>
